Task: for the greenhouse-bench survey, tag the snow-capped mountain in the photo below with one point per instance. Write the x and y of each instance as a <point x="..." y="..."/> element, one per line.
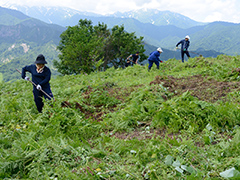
<point x="62" y="15"/>
<point x="158" y="18"/>
<point x="50" y="14"/>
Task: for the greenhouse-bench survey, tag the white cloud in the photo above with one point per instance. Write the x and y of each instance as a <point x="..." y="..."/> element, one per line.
<point x="204" y="10"/>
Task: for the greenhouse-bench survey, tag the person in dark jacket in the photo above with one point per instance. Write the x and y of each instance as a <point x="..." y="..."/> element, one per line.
<point x="128" y="63"/>
<point x="41" y="75"/>
<point x="154" y="58"/>
<point x="185" y="43"/>
<point x="134" y="58"/>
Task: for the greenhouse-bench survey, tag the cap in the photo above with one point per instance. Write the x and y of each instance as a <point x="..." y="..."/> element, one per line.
<point x="187" y="37"/>
<point x="159" y="49"/>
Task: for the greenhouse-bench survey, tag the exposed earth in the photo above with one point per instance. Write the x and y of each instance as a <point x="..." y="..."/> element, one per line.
<point x="204" y="88"/>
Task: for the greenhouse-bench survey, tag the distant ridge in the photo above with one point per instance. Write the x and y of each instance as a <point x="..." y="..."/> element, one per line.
<point x="159" y="18"/>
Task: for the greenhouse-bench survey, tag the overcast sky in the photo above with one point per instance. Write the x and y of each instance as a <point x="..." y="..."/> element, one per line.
<point x="198" y="10"/>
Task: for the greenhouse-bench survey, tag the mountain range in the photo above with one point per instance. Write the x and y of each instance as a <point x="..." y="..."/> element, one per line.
<point x="159" y="28"/>
<point x="65" y="16"/>
<point x="22" y="38"/>
<point x="27" y="31"/>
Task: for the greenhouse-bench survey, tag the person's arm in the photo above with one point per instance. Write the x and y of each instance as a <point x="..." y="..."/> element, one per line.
<point x="129" y="56"/>
<point x="158" y="56"/>
<point x="47" y="78"/>
<point x="24" y="70"/>
<point x="160" y="60"/>
<point x="178" y="43"/>
<point x="136" y="60"/>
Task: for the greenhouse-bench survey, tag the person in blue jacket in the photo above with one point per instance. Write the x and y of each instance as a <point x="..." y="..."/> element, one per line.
<point x="154" y="58"/>
<point x="185" y="43"/>
<point x="41" y="76"/>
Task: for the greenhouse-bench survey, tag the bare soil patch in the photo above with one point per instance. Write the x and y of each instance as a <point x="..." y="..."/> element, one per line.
<point x="203" y="88"/>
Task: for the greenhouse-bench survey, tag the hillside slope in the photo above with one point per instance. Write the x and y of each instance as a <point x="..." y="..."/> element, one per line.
<point x="11" y="17"/>
<point x="178" y="122"/>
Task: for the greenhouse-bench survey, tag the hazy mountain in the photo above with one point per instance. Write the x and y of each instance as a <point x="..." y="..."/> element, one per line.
<point x="159" y="28"/>
<point x="159" y="18"/>
<point x="11" y="17"/>
<point x="57" y="15"/>
<point x="218" y="36"/>
<point x="64" y="16"/>
<point x="15" y="26"/>
<point x="22" y="38"/>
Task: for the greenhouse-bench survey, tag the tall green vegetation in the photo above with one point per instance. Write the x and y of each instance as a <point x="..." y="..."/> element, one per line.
<point x="178" y="122"/>
<point x="85" y="47"/>
<point x="1" y="77"/>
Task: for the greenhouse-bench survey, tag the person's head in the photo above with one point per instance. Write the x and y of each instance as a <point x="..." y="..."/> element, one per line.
<point x="137" y="53"/>
<point x="40" y="60"/>
<point x="187" y="38"/>
<point x="159" y="50"/>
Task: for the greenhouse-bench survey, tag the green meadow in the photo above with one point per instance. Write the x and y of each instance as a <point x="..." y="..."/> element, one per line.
<point x="178" y="122"/>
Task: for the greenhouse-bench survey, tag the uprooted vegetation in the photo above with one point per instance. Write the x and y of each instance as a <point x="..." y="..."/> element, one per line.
<point x="204" y="88"/>
<point x="179" y="122"/>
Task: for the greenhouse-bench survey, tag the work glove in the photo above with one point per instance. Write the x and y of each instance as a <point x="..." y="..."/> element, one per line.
<point x="39" y="87"/>
<point x="27" y="78"/>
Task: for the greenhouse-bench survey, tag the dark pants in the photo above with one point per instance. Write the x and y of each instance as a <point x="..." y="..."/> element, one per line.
<point x="151" y="63"/>
<point x="184" y="52"/>
<point x="38" y="97"/>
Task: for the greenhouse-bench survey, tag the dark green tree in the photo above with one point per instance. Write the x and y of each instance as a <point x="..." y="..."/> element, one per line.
<point x="123" y="44"/>
<point x="79" y="47"/>
<point x="83" y="46"/>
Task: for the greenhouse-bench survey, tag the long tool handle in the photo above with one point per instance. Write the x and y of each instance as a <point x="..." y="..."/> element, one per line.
<point x="36" y="86"/>
<point x="193" y="52"/>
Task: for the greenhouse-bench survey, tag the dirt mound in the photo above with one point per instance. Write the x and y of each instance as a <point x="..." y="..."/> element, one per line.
<point x="204" y="88"/>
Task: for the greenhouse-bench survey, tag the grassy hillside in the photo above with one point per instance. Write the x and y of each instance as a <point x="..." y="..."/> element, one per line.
<point x="178" y="122"/>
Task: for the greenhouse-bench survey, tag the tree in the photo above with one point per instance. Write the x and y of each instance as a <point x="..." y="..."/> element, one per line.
<point x="79" y="47"/>
<point x="123" y="44"/>
<point x="83" y="46"/>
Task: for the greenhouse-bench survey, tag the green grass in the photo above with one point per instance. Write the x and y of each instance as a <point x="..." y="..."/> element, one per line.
<point x="121" y="124"/>
<point x="1" y="77"/>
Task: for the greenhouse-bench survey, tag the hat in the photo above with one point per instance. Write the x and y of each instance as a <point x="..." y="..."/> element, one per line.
<point x="187" y="37"/>
<point x="159" y="49"/>
<point x="40" y="59"/>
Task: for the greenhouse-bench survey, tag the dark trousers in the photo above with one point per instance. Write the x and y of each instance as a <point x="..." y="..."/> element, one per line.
<point x="38" y="97"/>
<point x="151" y="63"/>
<point x="184" y="52"/>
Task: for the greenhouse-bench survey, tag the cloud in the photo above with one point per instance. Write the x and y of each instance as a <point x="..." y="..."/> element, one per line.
<point x="204" y="10"/>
